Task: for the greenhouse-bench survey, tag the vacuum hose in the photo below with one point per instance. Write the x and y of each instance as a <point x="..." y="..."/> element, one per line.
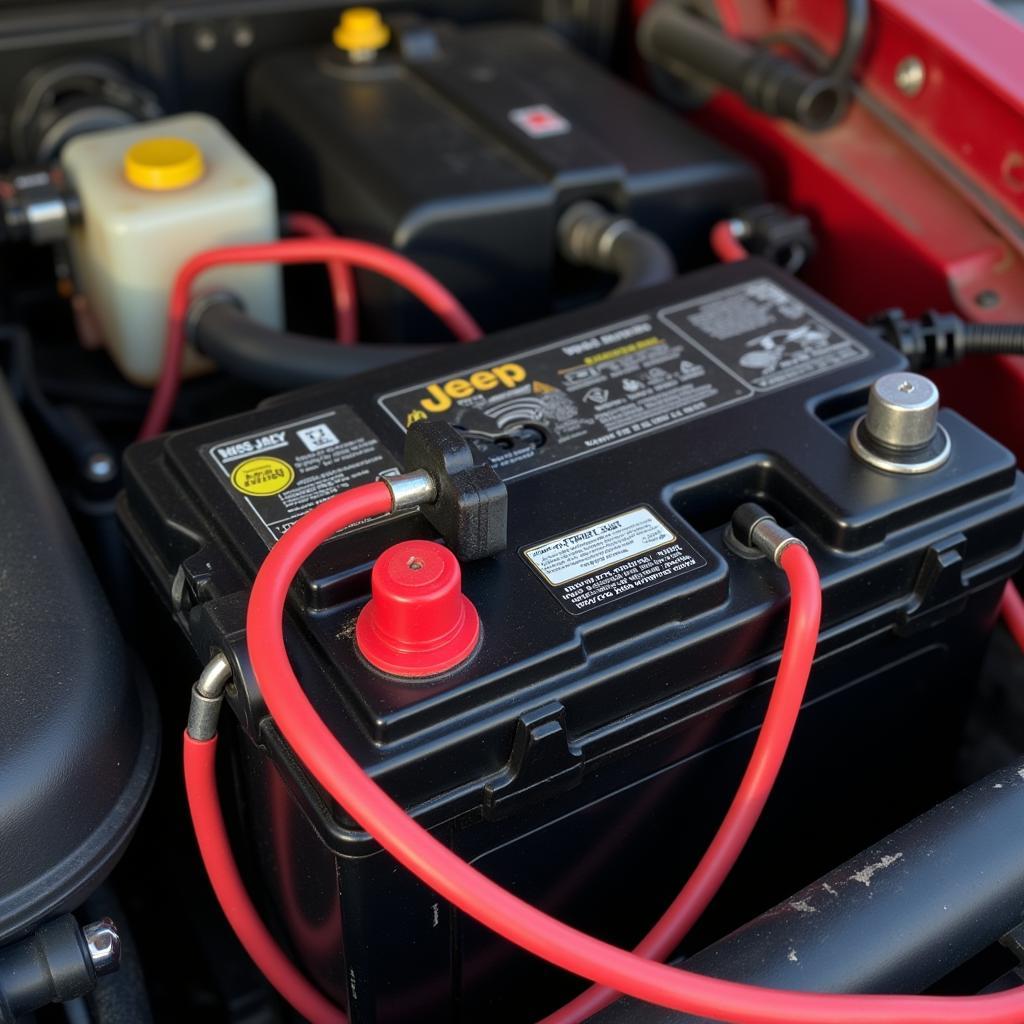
<point x="590" y="236"/>
<point x="279" y="360"/>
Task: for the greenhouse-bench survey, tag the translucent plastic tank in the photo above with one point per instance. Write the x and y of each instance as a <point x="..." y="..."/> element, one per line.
<point x="153" y="195"/>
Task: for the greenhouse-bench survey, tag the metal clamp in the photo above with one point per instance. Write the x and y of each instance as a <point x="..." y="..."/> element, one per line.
<point x="207" y="698"/>
<point x="408" y="490"/>
<point x="754" y="527"/>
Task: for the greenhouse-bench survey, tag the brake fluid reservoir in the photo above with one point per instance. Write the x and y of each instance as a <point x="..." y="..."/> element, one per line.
<point x="153" y="195"/>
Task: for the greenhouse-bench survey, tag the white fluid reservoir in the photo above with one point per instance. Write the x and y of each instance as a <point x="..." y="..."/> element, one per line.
<point x="153" y="195"/>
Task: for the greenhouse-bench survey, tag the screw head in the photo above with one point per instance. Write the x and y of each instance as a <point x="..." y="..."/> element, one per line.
<point x="910" y="76"/>
<point x="101" y="467"/>
<point x="205" y="39"/>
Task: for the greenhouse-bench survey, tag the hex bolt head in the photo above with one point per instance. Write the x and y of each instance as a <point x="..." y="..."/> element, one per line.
<point x="104" y="945"/>
<point x="903" y="410"/>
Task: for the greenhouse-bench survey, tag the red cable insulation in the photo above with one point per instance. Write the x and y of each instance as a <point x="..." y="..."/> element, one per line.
<point x="339" y="274"/>
<point x="1012" y="610"/>
<point x="746" y="807"/>
<point x="365" y="255"/>
<point x="751" y="796"/>
<point x="725" y="245"/>
<point x="499" y="910"/>
<point x="215" y="850"/>
<point x="475" y="894"/>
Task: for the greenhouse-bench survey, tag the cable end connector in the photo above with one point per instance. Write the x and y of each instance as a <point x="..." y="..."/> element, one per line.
<point x="929" y="342"/>
<point x="754" y="527"/>
<point x="469" y="507"/>
<point x="207" y="698"/>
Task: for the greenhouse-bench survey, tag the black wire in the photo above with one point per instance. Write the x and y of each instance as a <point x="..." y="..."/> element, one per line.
<point x="66" y="427"/>
<point x="851" y="46"/>
<point x="855" y="37"/>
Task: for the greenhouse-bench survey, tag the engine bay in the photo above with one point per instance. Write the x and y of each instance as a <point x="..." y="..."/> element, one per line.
<point x="511" y="512"/>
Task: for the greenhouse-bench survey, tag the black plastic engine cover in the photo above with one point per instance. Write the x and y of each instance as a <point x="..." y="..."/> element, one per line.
<point x="79" y="738"/>
<point x="461" y="146"/>
<point x="628" y="650"/>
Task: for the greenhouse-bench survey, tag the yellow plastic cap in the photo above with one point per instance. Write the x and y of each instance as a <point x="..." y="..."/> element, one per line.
<point x="361" y="28"/>
<point x="162" y="164"/>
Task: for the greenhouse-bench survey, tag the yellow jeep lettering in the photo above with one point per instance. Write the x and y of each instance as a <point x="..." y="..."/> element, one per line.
<point x="440" y="397"/>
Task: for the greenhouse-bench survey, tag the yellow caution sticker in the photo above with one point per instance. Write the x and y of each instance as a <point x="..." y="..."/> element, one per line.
<point x="262" y="476"/>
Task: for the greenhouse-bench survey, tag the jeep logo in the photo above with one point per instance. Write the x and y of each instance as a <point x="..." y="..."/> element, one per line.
<point x="442" y="396"/>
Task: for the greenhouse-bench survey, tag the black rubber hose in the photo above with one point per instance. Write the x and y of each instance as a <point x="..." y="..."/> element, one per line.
<point x="279" y="360"/>
<point x="941" y="339"/>
<point x="590" y="236"/>
<point x="993" y="339"/>
<point x="688" y="45"/>
<point x="855" y="35"/>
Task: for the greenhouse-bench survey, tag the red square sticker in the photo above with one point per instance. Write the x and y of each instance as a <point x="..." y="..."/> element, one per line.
<point x="539" y="121"/>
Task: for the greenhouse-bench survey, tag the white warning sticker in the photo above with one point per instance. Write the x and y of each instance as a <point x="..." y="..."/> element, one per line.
<point x="611" y="559"/>
<point x="567" y="558"/>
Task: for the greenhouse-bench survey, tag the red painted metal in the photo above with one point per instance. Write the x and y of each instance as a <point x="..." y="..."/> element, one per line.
<point x="971" y="106"/>
<point x="895" y="228"/>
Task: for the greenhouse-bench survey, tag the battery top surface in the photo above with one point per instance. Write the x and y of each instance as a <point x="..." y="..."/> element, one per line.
<point x="627" y="434"/>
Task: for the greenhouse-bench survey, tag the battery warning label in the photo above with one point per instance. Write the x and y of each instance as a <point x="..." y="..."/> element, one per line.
<point x="764" y="334"/>
<point x="279" y="474"/>
<point x="574" y="396"/>
<point x="611" y="559"/>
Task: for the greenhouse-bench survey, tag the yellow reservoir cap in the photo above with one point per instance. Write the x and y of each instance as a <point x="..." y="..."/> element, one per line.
<point x="361" y="28"/>
<point x="159" y="165"/>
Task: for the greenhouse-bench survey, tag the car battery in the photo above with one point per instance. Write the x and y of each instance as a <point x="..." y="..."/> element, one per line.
<point x="460" y="146"/>
<point x="584" y="755"/>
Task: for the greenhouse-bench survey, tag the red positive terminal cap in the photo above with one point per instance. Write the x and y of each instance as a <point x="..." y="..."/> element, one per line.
<point x="418" y="622"/>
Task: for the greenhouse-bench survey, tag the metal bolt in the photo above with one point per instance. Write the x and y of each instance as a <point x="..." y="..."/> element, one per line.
<point x="205" y="39"/>
<point x="910" y="76"/>
<point x="104" y="945"/>
<point x="987" y="298"/>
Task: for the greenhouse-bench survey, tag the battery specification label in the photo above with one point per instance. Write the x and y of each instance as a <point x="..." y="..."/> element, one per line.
<point x="611" y="559"/>
<point x="574" y="396"/>
<point x="276" y="475"/>
<point x="765" y="335"/>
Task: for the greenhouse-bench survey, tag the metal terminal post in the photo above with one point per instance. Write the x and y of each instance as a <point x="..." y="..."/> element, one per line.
<point x="103" y="941"/>
<point x="408" y="490"/>
<point x="207" y="698"/>
<point x="754" y="527"/>
<point x="900" y="432"/>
